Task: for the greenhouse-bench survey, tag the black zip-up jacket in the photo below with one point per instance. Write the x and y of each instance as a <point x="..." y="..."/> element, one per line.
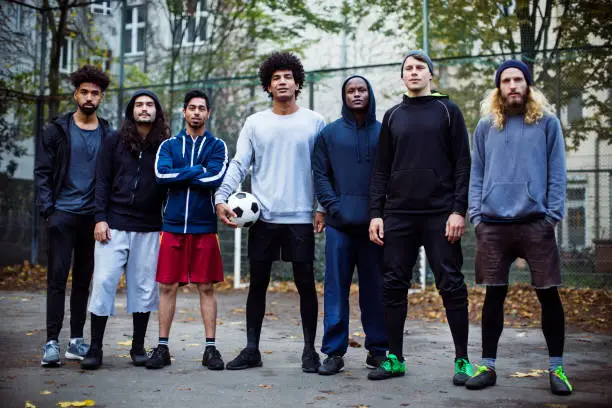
<point x="127" y="195"/>
<point x="53" y="160"/>
<point x="422" y="160"/>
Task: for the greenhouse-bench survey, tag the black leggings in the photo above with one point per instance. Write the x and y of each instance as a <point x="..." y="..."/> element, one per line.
<point x="303" y="275"/>
<point x="553" y="320"/>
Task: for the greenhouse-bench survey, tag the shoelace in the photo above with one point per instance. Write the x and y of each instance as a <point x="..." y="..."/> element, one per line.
<point x="559" y="373"/>
<point x="463" y="366"/>
<point x="481" y="370"/>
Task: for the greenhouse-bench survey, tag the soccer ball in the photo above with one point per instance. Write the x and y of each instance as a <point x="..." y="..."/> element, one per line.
<point x="246" y="207"/>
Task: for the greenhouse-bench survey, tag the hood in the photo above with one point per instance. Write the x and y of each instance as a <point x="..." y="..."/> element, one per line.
<point x="129" y="109"/>
<point x="348" y="115"/>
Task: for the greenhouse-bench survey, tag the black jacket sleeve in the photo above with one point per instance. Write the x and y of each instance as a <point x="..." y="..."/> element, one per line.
<point x="461" y="160"/>
<point x="43" y="169"/>
<point x="323" y="176"/>
<point x="104" y="178"/>
<point x="382" y="169"/>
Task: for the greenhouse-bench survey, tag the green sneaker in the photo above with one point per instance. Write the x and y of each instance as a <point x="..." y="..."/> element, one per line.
<point x="559" y="384"/>
<point x="463" y="371"/>
<point x="389" y="368"/>
<point x="484" y="377"/>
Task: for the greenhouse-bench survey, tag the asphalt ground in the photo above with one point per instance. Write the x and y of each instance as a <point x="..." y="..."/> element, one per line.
<point x="280" y="382"/>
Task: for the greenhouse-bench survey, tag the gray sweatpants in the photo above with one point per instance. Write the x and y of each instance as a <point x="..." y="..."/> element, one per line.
<point x="134" y="253"/>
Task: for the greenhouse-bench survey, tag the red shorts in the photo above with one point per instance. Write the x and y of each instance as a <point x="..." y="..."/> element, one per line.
<point x="189" y="258"/>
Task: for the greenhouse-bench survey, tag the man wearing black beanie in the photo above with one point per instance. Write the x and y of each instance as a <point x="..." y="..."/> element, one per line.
<point x="517" y="195"/>
<point x="418" y="197"/>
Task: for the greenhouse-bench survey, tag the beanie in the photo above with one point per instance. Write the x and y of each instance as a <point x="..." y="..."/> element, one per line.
<point x="514" y="64"/>
<point x="421" y="54"/>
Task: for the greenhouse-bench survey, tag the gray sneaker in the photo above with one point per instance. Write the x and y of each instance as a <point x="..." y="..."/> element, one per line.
<point x="77" y="350"/>
<point x="51" y="358"/>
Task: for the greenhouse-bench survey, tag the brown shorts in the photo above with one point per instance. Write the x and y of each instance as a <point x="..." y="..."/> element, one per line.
<point x="498" y="245"/>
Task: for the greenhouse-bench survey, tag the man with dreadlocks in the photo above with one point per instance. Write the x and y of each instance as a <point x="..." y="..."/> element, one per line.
<point x="278" y="143"/>
<point x="65" y="179"/>
<point x="128" y="221"/>
<point x="517" y="194"/>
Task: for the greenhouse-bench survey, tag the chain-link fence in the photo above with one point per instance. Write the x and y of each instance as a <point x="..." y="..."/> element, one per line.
<point x="581" y="101"/>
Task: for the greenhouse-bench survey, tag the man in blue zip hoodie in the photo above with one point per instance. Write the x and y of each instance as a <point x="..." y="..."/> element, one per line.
<point x="418" y="196"/>
<point x="517" y="195"/>
<point x="128" y="221"/>
<point x="342" y="163"/>
<point x="191" y="164"/>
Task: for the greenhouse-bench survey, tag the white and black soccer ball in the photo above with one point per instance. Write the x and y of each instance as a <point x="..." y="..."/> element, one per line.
<point x="246" y="207"/>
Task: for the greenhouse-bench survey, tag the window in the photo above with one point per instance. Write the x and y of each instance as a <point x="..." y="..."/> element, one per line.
<point x="195" y="24"/>
<point x="101" y="62"/>
<point x="574" y="227"/>
<point x="101" y="7"/>
<point x="17" y="14"/>
<point x="67" y="55"/>
<point x="134" y="32"/>
<point x="574" y="109"/>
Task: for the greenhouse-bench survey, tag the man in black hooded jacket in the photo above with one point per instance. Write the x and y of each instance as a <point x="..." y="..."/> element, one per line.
<point x="418" y="196"/>
<point x="65" y="180"/>
<point x="128" y="222"/>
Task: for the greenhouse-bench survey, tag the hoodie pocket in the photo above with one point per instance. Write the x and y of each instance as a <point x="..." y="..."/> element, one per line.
<point x="354" y="210"/>
<point x="174" y="212"/>
<point x="412" y="189"/>
<point x="510" y="200"/>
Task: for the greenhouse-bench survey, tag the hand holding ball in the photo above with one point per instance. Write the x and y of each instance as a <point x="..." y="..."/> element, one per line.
<point x="246" y="207"/>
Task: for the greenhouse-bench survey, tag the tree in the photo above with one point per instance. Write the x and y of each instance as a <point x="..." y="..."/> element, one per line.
<point x="566" y="43"/>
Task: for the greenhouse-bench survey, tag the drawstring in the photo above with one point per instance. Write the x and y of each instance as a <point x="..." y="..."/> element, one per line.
<point x="358" y="144"/>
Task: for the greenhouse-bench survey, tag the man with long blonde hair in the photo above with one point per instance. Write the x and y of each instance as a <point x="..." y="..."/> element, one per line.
<point x="517" y="194"/>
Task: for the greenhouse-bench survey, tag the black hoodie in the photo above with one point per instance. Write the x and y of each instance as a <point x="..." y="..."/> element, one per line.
<point x="423" y="159"/>
<point x="127" y="195"/>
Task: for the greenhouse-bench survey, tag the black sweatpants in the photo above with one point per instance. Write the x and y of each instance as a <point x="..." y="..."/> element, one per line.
<point x="404" y="234"/>
<point x="67" y="234"/>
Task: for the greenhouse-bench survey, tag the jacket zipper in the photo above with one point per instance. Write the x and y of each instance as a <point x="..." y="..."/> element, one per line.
<point x="187" y="204"/>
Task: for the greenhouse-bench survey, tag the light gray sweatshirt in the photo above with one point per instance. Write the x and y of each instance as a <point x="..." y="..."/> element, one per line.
<point x="279" y="149"/>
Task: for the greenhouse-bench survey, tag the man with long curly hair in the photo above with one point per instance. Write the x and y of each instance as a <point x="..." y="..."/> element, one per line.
<point x="128" y="220"/>
<point x="65" y="178"/>
<point x="278" y="143"/>
<point x="517" y="194"/>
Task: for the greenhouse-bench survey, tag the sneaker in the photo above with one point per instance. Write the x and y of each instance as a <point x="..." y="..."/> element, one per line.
<point x="310" y="361"/>
<point x="375" y="360"/>
<point x="212" y="359"/>
<point x="332" y="365"/>
<point x="76" y="350"/>
<point x="389" y="368"/>
<point x="463" y="371"/>
<point x="93" y="358"/>
<point x="51" y="357"/>
<point x="159" y="358"/>
<point x="559" y="385"/>
<point x="483" y="378"/>
<point x="248" y="358"/>
<point x="139" y="356"/>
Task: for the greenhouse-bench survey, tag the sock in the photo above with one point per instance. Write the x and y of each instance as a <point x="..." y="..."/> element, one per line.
<point x="210" y="342"/>
<point x="75" y="339"/>
<point x="555" y="362"/>
<point x="98" y="324"/>
<point x="489" y="363"/>
<point x="140" y="321"/>
<point x="163" y="341"/>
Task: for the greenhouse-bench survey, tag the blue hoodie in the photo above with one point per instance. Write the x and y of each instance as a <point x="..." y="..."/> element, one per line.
<point x="518" y="173"/>
<point x="342" y="162"/>
<point x="191" y="170"/>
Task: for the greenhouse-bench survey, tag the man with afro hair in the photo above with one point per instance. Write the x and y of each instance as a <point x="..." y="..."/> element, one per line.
<point x="65" y="178"/>
<point x="278" y="144"/>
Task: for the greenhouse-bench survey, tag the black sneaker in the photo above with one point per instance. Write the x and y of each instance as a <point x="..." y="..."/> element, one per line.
<point x="93" y="358"/>
<point x="374" y="360"/>
<point x="332" y="365"/>
<point x="559" y="384"/>
<point x="310" y="361"/>
<point x="139" y="356"/>
<point x="484" y="377"/>
<point x="248" y="358"/>
<point x="212" y="359"/>
<point x="160" y="358"/>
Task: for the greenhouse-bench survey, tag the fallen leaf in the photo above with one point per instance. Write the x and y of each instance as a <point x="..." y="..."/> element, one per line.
<point x="532" y="373"/>
<point x="265" y="386"/>
<point x="124" y="356"/>
<point x="85" y="403"/>
<point x="125" y="343"/>
<point x="359" y="334"/>
<point x="184" y="388"/>
<point x="327" y="392"/>
<point x="45" y="392"/>
<point x="29" y="333"/>
<point x="238" y="310"/>
<point x="353" y="343"/>
<point x="267" y="352"/>
<point x="28" y="404"/>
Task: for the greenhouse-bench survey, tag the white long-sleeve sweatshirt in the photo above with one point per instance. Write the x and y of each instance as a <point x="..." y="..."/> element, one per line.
<point x="279" y="148"/>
